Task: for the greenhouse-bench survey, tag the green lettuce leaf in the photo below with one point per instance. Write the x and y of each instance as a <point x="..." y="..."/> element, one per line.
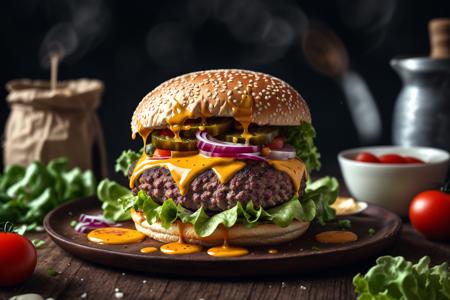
<point x="113" y="197"/>
<point x="117" y="200"/>
<point x="27" y="194"/>
<point x="302" y="138"/>
<point x="323" y="192"/>
<point x="205" y="225"/>
<point x="124" y="161"/>
<point x="397" y="278"/>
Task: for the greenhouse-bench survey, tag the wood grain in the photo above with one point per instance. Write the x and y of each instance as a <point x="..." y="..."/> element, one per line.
<point x="78" y="277"/>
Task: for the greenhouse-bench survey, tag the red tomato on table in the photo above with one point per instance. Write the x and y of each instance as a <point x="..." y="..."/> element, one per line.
<point x="367" y="157"/>
<point x="17" y="258"/>
<point x="429" y="213"/>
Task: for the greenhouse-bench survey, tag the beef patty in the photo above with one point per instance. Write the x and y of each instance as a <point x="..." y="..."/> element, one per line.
<point x="257" y="181"/>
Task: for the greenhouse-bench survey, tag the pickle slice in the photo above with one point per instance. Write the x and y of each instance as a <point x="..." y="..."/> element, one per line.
<point x="260" y="136"/>
<point x="170" y="143"/>
<point x="214" y="127"/>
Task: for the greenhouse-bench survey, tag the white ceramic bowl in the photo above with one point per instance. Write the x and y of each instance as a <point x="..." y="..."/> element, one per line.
<point x="393" y="185"/>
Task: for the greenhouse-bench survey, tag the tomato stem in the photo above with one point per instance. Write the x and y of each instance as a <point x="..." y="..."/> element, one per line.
<point x="6" y="227"/>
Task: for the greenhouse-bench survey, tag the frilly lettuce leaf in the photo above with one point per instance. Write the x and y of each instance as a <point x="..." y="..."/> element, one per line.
<point x="117" y="200"/>
<point x="28" y="193"/>
<point x="397" y="278"/>
<point x="302" y="138"/>
<point x="111" y="194"/>
<point x="323" y="192"/>
<point x="124" y="161"/>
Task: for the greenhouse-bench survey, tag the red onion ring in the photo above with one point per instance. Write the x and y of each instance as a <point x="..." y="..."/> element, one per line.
<point x="285" y="153"/>
<point x="252" y="156"/>
<point x="206" y="143"/>
<point x="89" y="222"/>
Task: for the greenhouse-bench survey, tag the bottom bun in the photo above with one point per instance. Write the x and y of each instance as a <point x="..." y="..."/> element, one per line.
<point x="263" y="234"/>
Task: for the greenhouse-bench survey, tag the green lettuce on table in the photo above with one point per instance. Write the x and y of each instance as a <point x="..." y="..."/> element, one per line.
<point x="319" y="195"/>
<point x="396" y="278"/>
<point x="27" y="194"/>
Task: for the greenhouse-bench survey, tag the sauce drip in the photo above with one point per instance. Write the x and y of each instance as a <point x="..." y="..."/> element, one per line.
<point x="242" y="113"/>
<point x="180" y="114"/>
<point x="205" y="112"/>
<point x="272" y="251"/>
<point x="336" y="237"/>
<point x="226" y="250"/>
<point x="185" y="169"/>
<point x="180" y="247"/>
<point x="148" y="250"/>
<point x="115" y="236"/>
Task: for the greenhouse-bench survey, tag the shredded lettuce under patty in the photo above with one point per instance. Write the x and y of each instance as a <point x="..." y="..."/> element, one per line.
<point x="319" y="195"/>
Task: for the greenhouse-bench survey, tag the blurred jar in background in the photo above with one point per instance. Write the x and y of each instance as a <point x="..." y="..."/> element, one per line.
<point x="45" y="124"/>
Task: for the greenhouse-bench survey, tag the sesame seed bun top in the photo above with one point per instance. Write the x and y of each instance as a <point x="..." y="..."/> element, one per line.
<point x="274" y="101"/>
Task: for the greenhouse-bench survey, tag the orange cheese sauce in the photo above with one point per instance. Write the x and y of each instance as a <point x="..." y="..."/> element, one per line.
<point x="336" y="237"/>
<point x="175" y="122"/>
<point x="180" y="247"/>
<point x="148" y="250"/>
<point x="115" y="236"/>
<point x="242" y="112"/>
<point x="226" y="250"/>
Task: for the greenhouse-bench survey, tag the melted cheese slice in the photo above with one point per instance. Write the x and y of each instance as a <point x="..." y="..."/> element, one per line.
<point x="184" y="169"/>
<point x="294" y="168"/>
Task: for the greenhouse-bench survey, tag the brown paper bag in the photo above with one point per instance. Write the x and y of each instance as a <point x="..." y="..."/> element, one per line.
<point x="45" y="124"/>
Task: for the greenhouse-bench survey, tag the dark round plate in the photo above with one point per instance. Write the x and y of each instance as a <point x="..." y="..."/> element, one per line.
<point x="301" y="255"/>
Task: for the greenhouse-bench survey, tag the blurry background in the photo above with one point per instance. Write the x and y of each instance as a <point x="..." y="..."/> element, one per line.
<point x="135" y="45"/>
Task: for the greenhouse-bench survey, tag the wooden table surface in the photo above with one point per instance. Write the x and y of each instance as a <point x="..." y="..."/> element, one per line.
<point x="97" y="282"/>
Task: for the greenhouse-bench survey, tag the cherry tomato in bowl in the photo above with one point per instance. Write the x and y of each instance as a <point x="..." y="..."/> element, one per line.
<point x="392" y="159"/>
<point x="17" y="258"/>
<point x="413" y="160"/>
<point x="367" y="157"/>
<point x="429" y="213"/>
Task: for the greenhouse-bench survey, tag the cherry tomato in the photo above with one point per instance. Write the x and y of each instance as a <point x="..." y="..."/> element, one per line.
<point x="367" y="157"/>
<point x="392" y="159"/>
<point x="161" y="153"/>
<point x="412" y="160"/>
<point x="17" y="258"/>
<point x="165" y="132"/>
<point x="277" y="143"/>
<point x="429" y="213"/>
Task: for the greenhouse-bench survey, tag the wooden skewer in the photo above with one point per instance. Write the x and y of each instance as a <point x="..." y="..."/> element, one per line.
<point x="54" y="60"/>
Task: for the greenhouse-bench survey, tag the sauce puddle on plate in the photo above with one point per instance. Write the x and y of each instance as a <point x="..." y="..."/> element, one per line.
<point x="336" y="237"/>
<point x="180" y="247"/>
<point x="115" y="236"/>
<point x="226" y="250"/>
<point x="148" y="250"/>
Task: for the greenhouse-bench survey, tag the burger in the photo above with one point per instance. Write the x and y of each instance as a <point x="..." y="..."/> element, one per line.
<point x="227" y="156"/>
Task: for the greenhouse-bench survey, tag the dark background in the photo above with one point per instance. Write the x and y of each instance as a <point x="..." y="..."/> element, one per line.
<point x="135" y="45"/>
